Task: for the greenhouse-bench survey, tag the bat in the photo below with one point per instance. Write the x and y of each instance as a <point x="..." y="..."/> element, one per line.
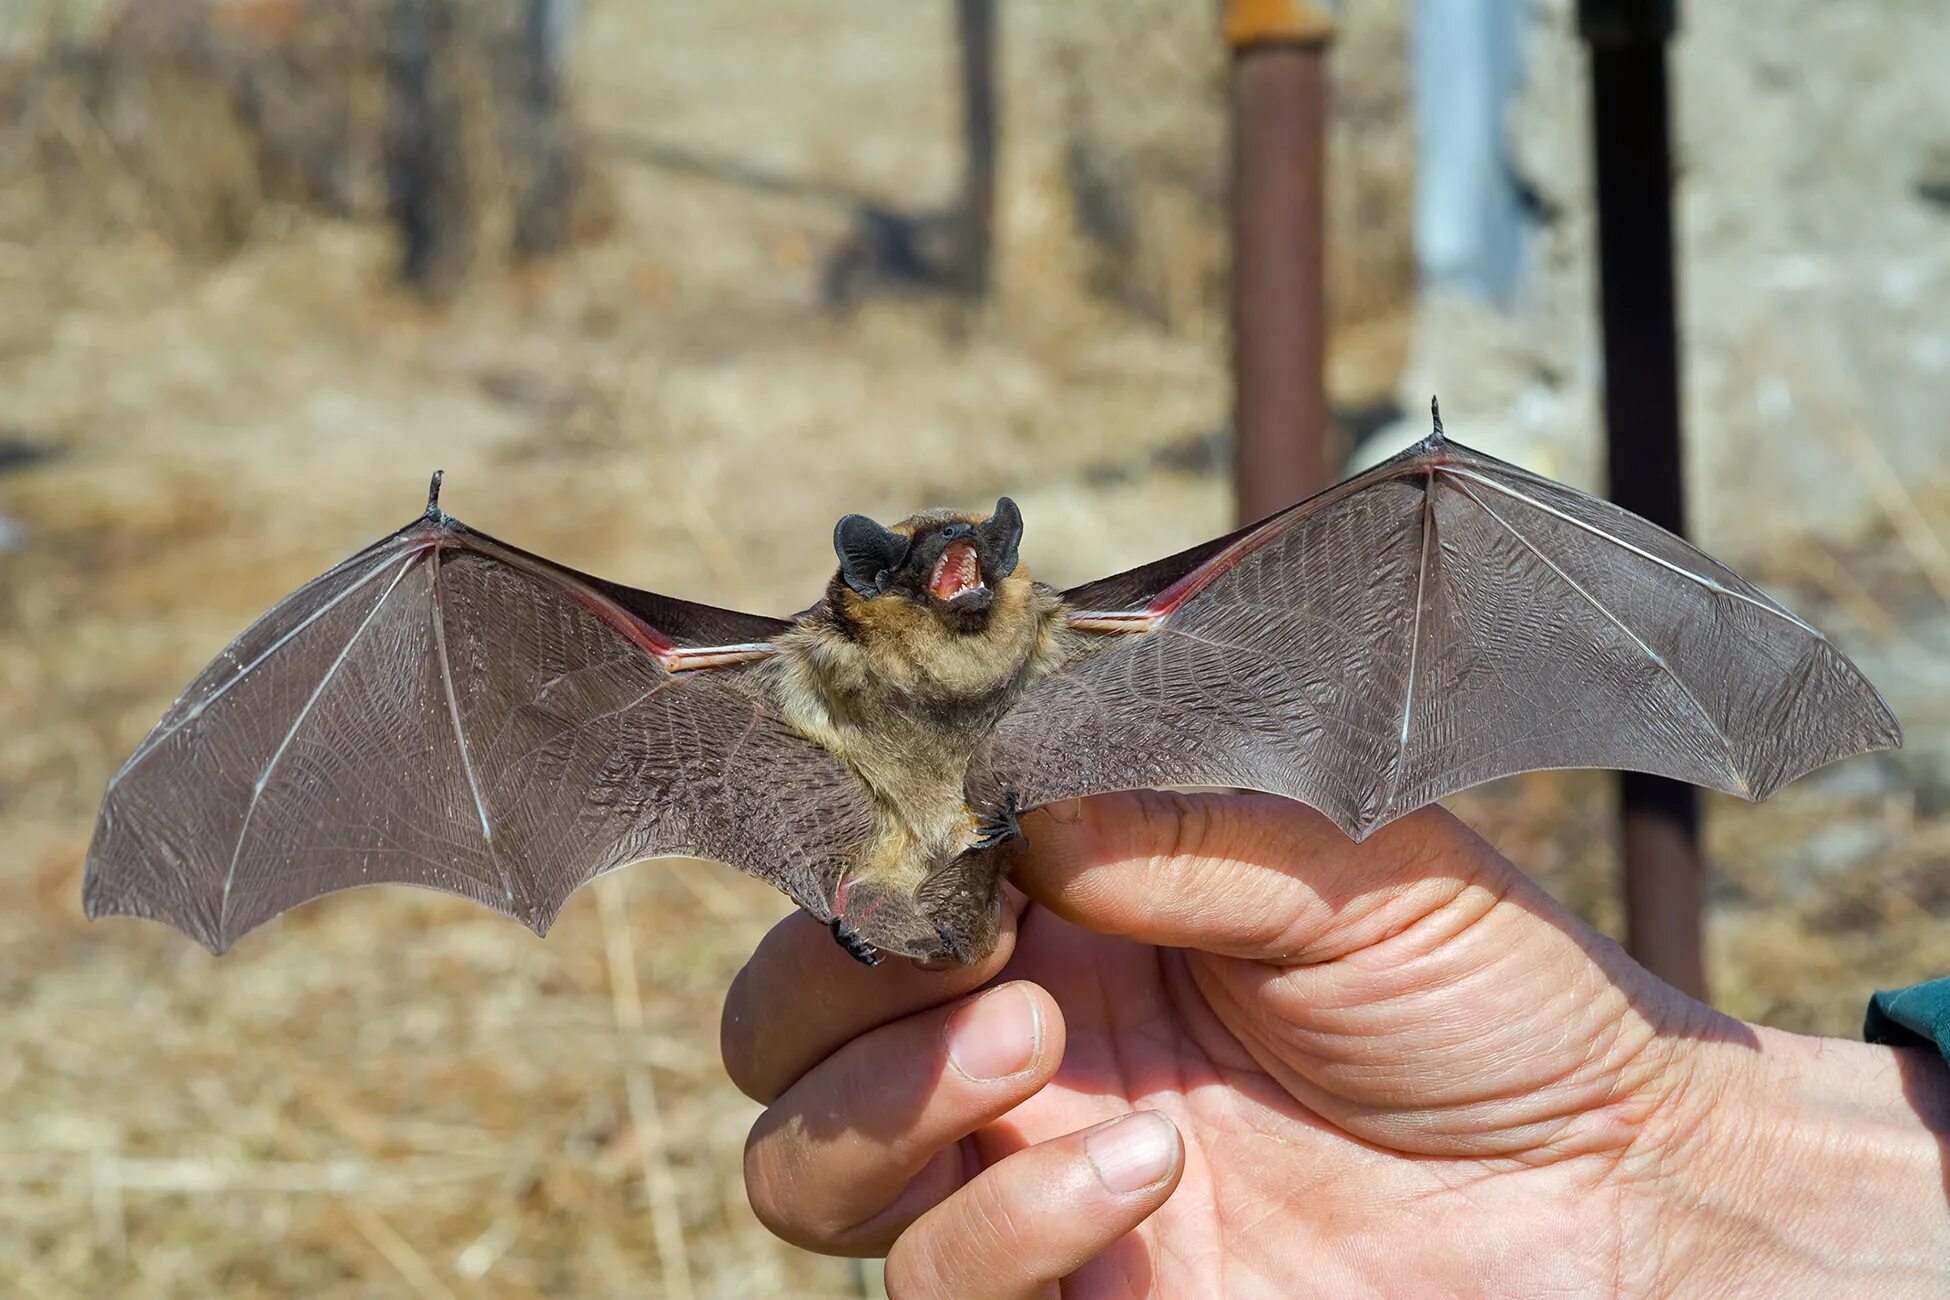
<point x="444" y="709"/>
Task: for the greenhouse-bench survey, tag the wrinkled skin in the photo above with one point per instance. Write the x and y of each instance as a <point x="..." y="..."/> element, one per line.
<point x="1397" y="1068"/>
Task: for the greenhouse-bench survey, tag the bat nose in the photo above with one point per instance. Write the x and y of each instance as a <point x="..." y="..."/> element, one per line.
<point x="955" y="532"/>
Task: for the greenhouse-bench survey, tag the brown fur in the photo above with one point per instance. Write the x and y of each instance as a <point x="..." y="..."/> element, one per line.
<point x="903" y="698"/>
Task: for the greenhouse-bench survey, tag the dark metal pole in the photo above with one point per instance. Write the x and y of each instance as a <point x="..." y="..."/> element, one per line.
<point x="975" y="24"/>
<point x="1665" y="892"/>
<point x="549" y="167"/>
<point x="1279" y="262"/>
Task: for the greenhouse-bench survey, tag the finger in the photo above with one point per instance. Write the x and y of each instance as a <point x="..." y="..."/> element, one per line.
<point x="1251" y="876"/>
<point x="801" y="996"/>
<point x="853" y="1152"/>
<point x="1040" y="1215"/>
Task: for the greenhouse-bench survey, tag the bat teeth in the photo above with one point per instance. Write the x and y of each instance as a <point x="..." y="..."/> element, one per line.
<point x="957" y="571"/>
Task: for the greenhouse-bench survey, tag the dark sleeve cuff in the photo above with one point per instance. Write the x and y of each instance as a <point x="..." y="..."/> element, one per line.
<point x="1918" y="1016"/>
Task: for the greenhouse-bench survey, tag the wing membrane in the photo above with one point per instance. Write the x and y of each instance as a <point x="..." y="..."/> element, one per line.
<point x="447" y="711"/>
<point x="1444" y="619"/>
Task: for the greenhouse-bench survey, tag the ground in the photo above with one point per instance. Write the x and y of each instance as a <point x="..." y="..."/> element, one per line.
<point x="391" y="1092"/>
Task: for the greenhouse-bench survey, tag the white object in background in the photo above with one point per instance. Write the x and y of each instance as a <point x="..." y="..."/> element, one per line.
<point x="1469" y="210"/>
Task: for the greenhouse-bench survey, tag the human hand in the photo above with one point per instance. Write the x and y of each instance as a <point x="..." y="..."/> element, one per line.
<point x="1394" y="1068"/>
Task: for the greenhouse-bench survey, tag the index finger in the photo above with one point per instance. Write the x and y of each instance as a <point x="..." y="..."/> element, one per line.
<point x="1245" y="875"/>
<point x="801" y="997"/>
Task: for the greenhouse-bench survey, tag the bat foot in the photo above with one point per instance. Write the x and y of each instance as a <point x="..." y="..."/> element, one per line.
<point x="998" y="826"/>
<point x="955" y="950"/>
<point x="856" y="947"/>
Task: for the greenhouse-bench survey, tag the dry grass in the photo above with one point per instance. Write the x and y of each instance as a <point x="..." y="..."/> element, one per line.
<point x="393" y="1093"/>
<point x="213" y="123"/>
<point x="396" y="1094"/>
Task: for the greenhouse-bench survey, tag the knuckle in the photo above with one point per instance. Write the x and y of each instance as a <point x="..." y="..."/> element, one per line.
<point x="738" y="1040"/>
<point x="973" y="1239"/>
<point x="761" y="1183"/>
<point x="771" y="1182"/>
<point x="801" y="1195"/>
<point x="882" y="1228"/>
<point x="784" y="1209"/>
<point x="993" y="1225"/>
<point x="915" y="1273"/>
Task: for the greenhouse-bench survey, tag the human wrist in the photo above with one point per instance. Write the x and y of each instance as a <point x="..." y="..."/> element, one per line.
<point x="1792" y="1165"/>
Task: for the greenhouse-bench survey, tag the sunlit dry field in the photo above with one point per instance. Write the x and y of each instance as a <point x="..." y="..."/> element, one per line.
<point x="395" y="1093"/>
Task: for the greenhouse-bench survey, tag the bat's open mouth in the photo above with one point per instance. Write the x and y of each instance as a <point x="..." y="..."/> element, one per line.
<point x="957" y="576"/>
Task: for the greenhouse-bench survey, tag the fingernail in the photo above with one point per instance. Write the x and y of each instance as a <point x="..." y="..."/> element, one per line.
<point x="1135" y="1152"/>
<point x="995" y="1036"/>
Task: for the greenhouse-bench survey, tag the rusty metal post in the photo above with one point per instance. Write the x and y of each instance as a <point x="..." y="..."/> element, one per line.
<point x="975" y="25"/>
<point x="1665" y="892"/>
<point x="546" y="152"/>
<point x="1279" y="261"/>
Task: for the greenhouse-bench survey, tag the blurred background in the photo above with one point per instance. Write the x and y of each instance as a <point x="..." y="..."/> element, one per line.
<point x="666" y="286"/>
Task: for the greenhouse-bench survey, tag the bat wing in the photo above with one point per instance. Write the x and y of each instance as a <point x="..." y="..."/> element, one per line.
<point x="445" y="710"/>
<point x="1440" y="620"/>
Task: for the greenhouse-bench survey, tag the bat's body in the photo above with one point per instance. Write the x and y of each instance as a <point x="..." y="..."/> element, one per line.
<point x="904" y="697"/>
<point x="447" y="710"/>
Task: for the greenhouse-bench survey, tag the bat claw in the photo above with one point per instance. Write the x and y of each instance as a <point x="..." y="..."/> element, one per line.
<point x="953" y="947"/>
<point x="856" y="947"/>
<point x="999" y="825"/>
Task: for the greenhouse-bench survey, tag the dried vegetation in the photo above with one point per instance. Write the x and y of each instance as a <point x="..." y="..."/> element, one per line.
<point x="214" y="389"/>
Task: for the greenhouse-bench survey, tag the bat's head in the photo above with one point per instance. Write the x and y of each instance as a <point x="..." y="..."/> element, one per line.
<point x="949" y="563"/>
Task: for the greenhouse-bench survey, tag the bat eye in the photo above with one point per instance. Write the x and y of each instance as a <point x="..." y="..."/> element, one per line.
<point x="869" y="554"/>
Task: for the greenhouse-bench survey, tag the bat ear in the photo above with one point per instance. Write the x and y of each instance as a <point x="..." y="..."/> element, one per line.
<point x="868" y="552"/>
<point x="1001" y="534"/>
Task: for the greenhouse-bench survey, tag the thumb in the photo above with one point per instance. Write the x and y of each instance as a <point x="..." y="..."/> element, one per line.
<point x="1246" y="875"/>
